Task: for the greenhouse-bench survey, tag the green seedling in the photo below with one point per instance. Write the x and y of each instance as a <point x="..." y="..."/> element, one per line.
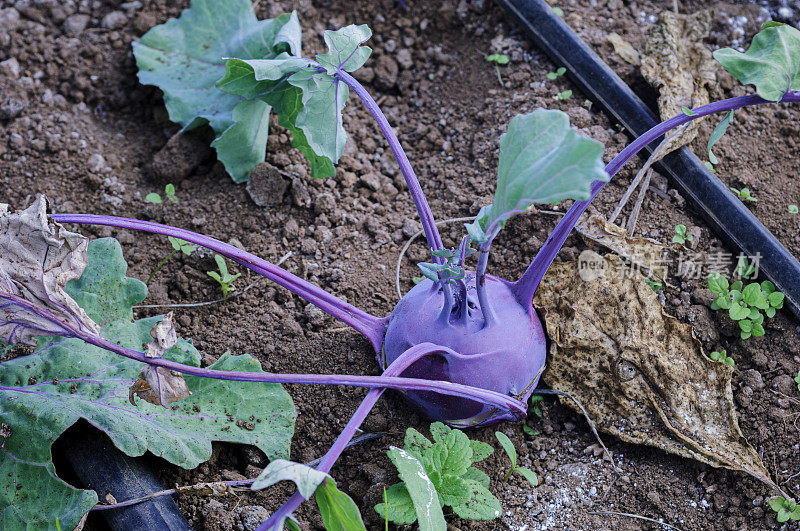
<point x="654" y="285"/>
<point x="722" y="356"/>
<point x="536" y="404"/>
<point x="441" y="469"/>
<point x="558" y="73"/>
<point x="786" y="509"/>
<point x="224" y="278"/>
<point x="178" y="245"/>
<point x="558" y="11"/>
<point x="169" y="193"/>
<point x="744" y="195"/>
<point x="681" y="236"/>
<point x="530" y="432"/>
<point x="793" y="209"/>
<point x="744" y="269"/>
<point x="745" y="303"/>
<point x="511" y="452"/>
<point x="797" y="380"/>
<point x="565" y="95"/>
<point x="498" y="59"/>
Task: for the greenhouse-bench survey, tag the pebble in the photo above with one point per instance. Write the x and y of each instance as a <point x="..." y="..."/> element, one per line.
<point x="75" y="24"/>
<point x="753" y="379"/>
<point x="10" y="68"/>
<point x="114" y="20"/>
<point x="252" y="516"/>
<point x="9" y="18"/>
<point x="410" y="228"/>
<point x="9" y="110"/>
<point x="405" y="59"/>
<point x="386" y="71"/>
<point x="315" y="316"/>
<point x="324" y="203"/>
<point x="784" y="384"/>
<point x="95" y="162"/>
<point x="266" y="186"/>
<point x="371" y="180"/>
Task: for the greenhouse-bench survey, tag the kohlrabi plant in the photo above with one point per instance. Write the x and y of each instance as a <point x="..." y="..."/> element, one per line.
<point x="466" y="347"/>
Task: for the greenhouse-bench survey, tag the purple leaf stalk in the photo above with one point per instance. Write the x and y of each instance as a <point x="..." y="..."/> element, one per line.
<point x="467" y="350"/>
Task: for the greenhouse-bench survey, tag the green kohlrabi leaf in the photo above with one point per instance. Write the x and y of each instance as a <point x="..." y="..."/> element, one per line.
<point x="185" y="58"/>
<point x="339" y="511"/>
<point x="543" y="160"/>
<point x="243" y="145"/>
<point x="307" y="96"/>
<point x="44" y="393"/>
<point x="772" y="63"/>
<point x="305" y="477"/>
<point x="420" y="489"/>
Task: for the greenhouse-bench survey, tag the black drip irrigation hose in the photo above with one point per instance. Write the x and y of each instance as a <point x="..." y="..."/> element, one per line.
<point x="723" y="212"/>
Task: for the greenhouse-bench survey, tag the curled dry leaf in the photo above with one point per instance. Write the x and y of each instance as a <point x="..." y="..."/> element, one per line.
<point x="159" y="385"/>
<point x="216" y="488"/>
<point x="645" y="253"/>
<point x="37" y="259"/>
<point x="641" y="375"/>
<point x="623" y="48"/>
<point x="677" y="63"/>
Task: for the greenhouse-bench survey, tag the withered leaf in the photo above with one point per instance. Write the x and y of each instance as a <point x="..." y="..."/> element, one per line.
<point x="641" y="374"/>
<point x="37" y="259"/>
<point x="644" y="252"/>
<point x="677" y="63"/>
<point x="623" y="48"/>
<point x="164" y="338"/>
<point x="159" y="385"/>
<point x="216" y="488"/>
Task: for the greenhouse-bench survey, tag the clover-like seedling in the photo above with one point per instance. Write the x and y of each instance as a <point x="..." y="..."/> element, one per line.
<point x="530" y="432"/>
<point x="745" y="303"/>
<point x="654" y="285"/>
<point x="498" y="59"/>
<point x="565" y="95"/>
<point x="536" y="407"/>
<point x="744" y="195"/>
<point x="793" y="209"/>
<point x="681" y="236"/>
<point x="722" y="356"/>
<point x="558" y="73"/>
<point x="178" y="246"/>
<point x="744" y="269"/>
<point x="797" y="380"/>
<point x="786" y="509"/>
<point x="446" y="464"/>
<point x="224" y="278"/>
<point x="169" y="193"/>
<point x="511" y="452"/>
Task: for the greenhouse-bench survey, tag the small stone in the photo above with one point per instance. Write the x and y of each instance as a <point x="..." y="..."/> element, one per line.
<point x="315" y="316"/>
<point x="114" y="20"/>
<point x="371" y="180"/>
<point x="324" y="203"/>
<point x="405" y="59"/>
<point x="784" y="384"/>
<point x="9" y="18"/>
<point x="266" y="186"/>
<point x="410" y="228"/>
<point x="10" y="68"/>
<point x="300" y="195"/>
<point x="654" y="498"/>
<point x="75" y="24"/>
<point x="254" y="456"/>
<point x="252" y="516"/>
<point x="753" y="379"/>
<point x="10" y="109"/>
<point x="745" y="396"/>
<point x="308" y="246"/>
<point x="291" y="229"/>
<point x="365" y="75"/>
<point x="760" y="360"/>
<point x="95" y="162"/>
<point x="386" y="71"/>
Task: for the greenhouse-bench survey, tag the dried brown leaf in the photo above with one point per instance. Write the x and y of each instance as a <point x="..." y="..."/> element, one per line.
<point x="676" y="62"/>
<point x="217" y="488"/>
<point x="164" y="337"/>
<point x="644" y="252"/>
<point x="37" y="259"/>
<point x="159" y="385"/>
<point x="641" y="375"/>
<point x="624" y="49"/>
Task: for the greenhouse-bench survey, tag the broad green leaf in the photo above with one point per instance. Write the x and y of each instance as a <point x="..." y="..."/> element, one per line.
<point x="452" y="455"/>
<point x="777" y="503"/>
<point x="758" y="329"/>
<point x="185" y="57"/>
<point x="480" y="450"/>
<point x="153" y="198"/>
<point x="344" y="48"/>
<point x="768" y="287"/>
<point x="737" y="311"/>
<point x="772" y="63"/>
<point x="543" y="160"/>
<point x="717" y="134"/>
<point x="43" y="394"/>
<point x="256" y="77"/>
<point x="416" y="443"/>
<point x="243" y="145"/>
<point x="420" y="489"/>
<point x="399" y="505"/>
<point x="530" y="475"/>
<point x="320" y="117"/>
<point x="305" y="477"/>
<point x="776" y="299"/>
<point x="452" y="490"/>
<point x="478" y="475"/>
<point x="339" y="512"/>
<point x="508" y="446"/>
<point x="286" y="101"/>
<point x="482" y="505"/>
<point x="752" y="295"/>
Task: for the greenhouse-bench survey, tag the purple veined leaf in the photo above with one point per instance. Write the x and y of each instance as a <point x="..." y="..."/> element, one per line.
<point x="39" y="257"/>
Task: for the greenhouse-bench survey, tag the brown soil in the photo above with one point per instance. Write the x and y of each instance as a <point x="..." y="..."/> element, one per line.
<point x="76" y="125"/>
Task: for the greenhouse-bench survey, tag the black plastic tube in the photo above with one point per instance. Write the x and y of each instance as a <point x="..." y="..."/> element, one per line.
<point x="102" y="467"/>
<point x="723" y="212"/>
